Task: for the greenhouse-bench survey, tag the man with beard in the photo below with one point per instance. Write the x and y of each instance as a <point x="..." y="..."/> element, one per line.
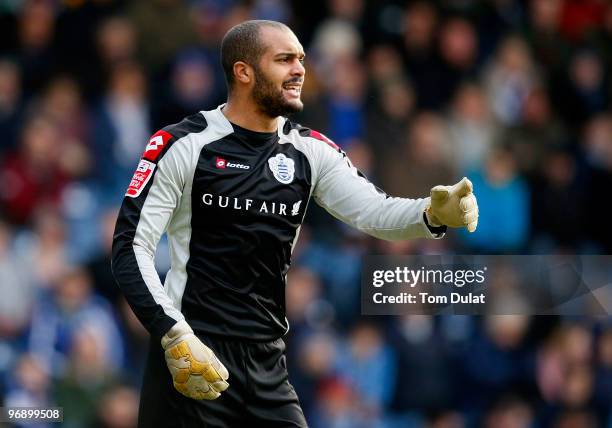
<point x="230" y="187"/>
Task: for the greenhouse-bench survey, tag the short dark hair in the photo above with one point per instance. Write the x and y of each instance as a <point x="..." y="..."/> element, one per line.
<point x="243" y="43"/>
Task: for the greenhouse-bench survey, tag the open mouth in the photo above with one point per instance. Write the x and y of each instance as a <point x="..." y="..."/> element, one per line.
<point x="293" y="89"/>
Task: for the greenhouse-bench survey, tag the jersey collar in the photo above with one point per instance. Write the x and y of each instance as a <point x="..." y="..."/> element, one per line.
<point x="218" y="116"/>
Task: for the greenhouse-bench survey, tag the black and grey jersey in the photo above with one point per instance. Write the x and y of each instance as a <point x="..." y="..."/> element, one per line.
<point x="231" y="202"/>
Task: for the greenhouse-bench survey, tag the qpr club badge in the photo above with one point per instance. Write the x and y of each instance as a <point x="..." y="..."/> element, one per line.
<point x="282" y="167"/>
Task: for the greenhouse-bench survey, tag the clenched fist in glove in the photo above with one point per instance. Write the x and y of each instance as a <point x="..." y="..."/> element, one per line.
<point x="453" y="206"/>
<point x="196" y="371"/>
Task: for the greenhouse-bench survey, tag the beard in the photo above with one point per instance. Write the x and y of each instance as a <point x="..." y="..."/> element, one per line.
<point x="270" y="99"/>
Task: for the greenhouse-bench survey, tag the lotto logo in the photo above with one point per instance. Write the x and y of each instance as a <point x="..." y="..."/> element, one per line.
<point x="156" y="144"/>
<point x="220" y="163"/>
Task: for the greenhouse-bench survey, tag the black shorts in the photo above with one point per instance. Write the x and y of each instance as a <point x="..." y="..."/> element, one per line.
<point x="259" y="393"/>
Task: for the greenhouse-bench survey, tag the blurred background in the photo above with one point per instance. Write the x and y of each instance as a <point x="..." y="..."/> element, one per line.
<point x="515" y="94"/>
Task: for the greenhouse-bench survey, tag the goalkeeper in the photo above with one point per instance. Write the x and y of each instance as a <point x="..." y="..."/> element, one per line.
<point x="230" y="187"/>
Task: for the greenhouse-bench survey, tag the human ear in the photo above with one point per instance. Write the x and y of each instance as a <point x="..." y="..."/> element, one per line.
<point x="243" y="72"/>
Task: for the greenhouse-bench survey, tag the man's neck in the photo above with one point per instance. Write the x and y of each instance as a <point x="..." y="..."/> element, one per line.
<point x="246" y="115"/>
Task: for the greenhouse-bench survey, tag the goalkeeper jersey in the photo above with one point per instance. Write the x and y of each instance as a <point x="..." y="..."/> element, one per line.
<point x="232" y="201"/>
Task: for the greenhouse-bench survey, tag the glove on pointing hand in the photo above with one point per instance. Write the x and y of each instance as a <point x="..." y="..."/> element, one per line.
<point x="453" y="206"/>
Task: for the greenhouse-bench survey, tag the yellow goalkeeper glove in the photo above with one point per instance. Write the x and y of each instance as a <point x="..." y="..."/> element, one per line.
<point x="453" y="206"/>
<point x="196" y="371"/>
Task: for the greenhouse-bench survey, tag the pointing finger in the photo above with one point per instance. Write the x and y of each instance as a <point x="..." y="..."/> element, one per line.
<point x="464" y="187"/>
<point x="468" y="203"/>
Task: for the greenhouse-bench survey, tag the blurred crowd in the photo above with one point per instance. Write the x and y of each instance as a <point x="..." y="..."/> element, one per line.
<point x="515" y="94"/>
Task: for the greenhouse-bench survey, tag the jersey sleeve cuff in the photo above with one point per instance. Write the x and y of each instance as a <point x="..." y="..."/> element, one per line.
<point x="162" y="326"/>
<point x="433" y="232"/>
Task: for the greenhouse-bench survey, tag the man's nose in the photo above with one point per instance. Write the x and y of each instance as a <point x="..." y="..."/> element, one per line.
<point x="298" y="68"/>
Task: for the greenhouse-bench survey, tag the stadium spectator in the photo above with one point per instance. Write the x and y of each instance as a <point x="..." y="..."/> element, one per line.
<point x="516" y="94"/>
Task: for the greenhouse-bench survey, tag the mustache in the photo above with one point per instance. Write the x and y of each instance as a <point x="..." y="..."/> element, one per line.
<point x="294" y="80"/>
